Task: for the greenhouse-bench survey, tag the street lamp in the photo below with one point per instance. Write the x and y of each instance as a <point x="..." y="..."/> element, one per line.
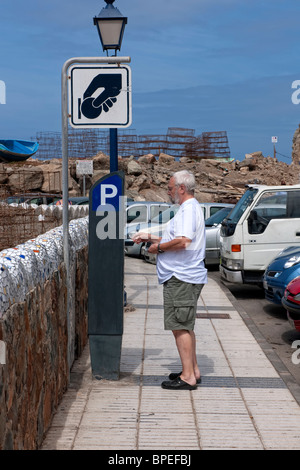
<point x="110" y="24"/>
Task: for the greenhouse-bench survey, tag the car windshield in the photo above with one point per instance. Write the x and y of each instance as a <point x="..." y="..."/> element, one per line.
<point x="242" y="205"/>
<point x="230" y="221"/>
<point x="217" y="218"/>
<point x="14" y="199"/>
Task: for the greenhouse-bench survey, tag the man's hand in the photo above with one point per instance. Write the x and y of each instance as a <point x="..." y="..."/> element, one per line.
<point x="177" y="244"/>
<point x="108" y="86"/>
<point x="140" y="237"/>
<point x="153" y="248"/>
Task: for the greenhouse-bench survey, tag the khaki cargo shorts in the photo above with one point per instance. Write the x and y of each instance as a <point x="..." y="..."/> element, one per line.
<point x="180" y="304"/>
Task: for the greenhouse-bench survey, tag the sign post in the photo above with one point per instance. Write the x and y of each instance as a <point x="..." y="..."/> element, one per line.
<point x="83" y="168"/>
<point x="92" y="102"/>
<point x="274" y="141"/>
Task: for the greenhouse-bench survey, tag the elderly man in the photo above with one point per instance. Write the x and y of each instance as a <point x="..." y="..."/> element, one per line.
<point x="181" y="270"/>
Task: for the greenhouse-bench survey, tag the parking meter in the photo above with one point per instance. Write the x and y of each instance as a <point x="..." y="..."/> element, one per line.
<point x="106" y="275"/>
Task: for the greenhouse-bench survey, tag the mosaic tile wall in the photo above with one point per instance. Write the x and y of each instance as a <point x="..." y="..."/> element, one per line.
<point x="41" y="341"/>
<point x="30" y="263"/>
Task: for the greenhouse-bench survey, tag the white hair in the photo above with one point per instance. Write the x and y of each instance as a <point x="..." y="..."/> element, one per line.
<point x="186" y="178"/>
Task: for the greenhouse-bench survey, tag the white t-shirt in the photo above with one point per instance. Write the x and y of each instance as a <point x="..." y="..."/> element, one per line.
<point x="186" y="265"/>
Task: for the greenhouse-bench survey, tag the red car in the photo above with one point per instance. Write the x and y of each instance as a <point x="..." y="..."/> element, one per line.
<point x="291" y="302"/>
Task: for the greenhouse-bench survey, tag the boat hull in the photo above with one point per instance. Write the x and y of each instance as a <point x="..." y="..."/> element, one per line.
<point x="17" y="150"/>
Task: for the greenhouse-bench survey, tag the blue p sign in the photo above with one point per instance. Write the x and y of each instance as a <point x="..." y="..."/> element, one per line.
<point x="107" y="193"/>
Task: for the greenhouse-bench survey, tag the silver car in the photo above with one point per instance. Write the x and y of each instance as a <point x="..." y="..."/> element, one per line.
<point x="212" y="227"/>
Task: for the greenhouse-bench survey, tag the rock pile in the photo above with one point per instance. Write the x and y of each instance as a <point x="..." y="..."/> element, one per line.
<point x="216" y="181"/>
<point x="146" y="178"/>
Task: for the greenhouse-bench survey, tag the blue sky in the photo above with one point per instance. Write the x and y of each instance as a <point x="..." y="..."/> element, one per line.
<point x="208" y="65"/>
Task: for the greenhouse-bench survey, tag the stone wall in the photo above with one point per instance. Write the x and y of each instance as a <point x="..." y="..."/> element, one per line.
<point x="34" y="331"/>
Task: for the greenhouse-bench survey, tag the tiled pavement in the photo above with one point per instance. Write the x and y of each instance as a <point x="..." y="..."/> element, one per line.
<point x="242" y="402"/>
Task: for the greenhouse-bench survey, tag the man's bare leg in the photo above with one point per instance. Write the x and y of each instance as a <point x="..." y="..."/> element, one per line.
<point x="195" y="363"/>
<point x="185" y="344"/>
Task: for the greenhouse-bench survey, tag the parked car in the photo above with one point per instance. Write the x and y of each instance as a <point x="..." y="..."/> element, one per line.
<point x="162" y="217"/>
<point x="158" y="223"/>
<point x="79" y="200"/>
<point x="212" y="226"/>
<point x="291" y="302"/>
<point x="34" y="198"/>
<point x="282" y="269"/>
<point x="144" y="211"/>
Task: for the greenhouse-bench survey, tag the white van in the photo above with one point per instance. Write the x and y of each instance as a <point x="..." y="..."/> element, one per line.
<point x="144" y="211"/>
<point x="264" y="221"/>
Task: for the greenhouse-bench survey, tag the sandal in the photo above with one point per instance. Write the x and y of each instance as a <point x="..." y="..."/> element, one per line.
<point x="174" y="376"/>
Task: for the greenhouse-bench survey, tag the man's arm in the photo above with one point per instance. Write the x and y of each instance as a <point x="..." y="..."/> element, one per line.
<point x="145" y="237"/>
<point x="179" y="243"/>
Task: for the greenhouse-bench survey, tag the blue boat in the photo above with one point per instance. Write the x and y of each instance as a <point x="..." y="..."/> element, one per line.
<point x="17" y="150"/>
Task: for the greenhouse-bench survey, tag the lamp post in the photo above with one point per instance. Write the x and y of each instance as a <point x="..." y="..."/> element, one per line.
<point x="110" y="25"/>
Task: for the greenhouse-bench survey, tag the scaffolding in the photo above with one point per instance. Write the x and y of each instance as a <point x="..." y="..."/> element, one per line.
<point x="211" y="145"/>
<point x="178" y="142"/>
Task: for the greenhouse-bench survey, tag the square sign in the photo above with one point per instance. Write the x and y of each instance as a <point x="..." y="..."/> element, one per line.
<point x="84" y="167"/>
<point x="100" y="96"/>
<point x="274" y="139"/>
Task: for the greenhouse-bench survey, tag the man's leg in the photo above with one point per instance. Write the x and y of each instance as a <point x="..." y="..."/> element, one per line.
<point x="195" y="363"/>
<point x="182" y="316"/>
<point x="185" y="345"/>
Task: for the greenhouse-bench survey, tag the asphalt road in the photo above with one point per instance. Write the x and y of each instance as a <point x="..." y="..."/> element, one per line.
<point x="270" y="320"/>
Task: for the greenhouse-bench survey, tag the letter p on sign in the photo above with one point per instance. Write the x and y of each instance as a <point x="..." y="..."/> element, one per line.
<point x="108" y="191"/>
